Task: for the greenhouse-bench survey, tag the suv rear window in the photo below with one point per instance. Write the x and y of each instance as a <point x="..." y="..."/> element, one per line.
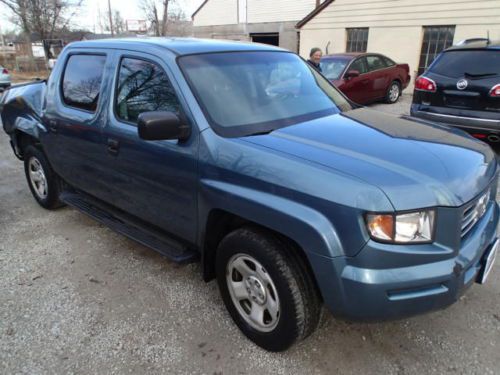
<point x="82" y="81"/>
<point x="472" y="63"/>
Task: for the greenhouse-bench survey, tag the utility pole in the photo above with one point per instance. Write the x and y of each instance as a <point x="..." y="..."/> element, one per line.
<point x="110" y="19"/>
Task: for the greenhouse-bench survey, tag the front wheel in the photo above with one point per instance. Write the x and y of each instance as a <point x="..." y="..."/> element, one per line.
<point x="42" y="180"/>
<point x="267" y="290"/>
<point x="393" y="92"/>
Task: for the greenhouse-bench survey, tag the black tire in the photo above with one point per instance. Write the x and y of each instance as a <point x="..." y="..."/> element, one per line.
<point x="50" y="200"/>
<point x="389" y="97"/>
<point x="299" y="301"/>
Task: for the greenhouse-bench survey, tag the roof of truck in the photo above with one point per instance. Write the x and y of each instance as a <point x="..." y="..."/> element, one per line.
<point x="179" y="46"/>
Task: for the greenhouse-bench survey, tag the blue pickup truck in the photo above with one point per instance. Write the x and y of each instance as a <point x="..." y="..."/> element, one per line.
<point x="242" y="157"/>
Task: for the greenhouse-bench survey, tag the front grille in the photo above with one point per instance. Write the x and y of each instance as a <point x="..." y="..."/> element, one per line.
<point x="474" y="212"/>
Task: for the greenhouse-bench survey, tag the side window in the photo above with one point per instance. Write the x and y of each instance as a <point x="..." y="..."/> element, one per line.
<point x="143" y="87"/>
<point x="375" y="63"/>
<point x="82" y="81"/>
<point x="359" y="65"/>
<point x="388" y="61"/>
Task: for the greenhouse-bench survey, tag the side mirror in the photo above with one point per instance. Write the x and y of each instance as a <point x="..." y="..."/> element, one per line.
<point x="352" y="74"/>
<point x="160" y="125"/>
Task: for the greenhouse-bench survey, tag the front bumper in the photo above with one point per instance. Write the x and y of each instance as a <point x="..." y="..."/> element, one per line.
<point x="358" y="289"/>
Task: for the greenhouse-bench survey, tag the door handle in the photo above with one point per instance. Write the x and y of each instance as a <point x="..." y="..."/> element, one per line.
<point x="113" y="146"/>
<point x="53" y="126"/>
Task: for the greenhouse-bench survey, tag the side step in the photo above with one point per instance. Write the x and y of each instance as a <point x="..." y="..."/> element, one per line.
<point x="129" y="226"/>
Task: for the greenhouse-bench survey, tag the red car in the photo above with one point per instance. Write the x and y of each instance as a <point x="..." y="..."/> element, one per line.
<point x="366" y="77"/>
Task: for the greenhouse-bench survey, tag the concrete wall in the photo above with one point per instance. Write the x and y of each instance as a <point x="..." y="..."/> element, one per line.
<point x="242" y="32"/>
<point x="396" y="25"/>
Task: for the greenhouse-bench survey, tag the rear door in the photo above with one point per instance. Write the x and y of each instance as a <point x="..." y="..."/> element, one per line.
<point x="464" y="80"/>
<point x="380" y="76"/>
<point x="73" y="118"/>
<point x="357" y="89"/>
<point x="155" y="181"/>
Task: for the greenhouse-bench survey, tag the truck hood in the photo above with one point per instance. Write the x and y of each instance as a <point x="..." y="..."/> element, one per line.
<point x="415" y="164"/>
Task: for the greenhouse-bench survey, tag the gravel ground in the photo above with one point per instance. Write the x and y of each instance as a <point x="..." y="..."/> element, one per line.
<point x="77" y="298"/>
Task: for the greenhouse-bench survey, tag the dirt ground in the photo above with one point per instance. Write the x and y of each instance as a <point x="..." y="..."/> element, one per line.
<point x="77" y="298"/>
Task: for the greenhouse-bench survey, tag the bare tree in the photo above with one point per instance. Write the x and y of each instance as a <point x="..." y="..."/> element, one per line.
<point x="152" y="10"/>
<point x="118" y="23"/>
<point x="43" y="17"/>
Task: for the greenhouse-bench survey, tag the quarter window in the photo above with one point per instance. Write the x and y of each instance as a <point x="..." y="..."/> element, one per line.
<point x="82" y="81"/>
<point x="357" y="39"/>
<point x="143" y="87"/>
<point x="436" y="39"/>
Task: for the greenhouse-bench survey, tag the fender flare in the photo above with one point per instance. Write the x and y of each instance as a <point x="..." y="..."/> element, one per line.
<point x="310" y="229"/>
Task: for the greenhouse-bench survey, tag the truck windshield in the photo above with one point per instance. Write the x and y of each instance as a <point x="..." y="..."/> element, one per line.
<point x="244" y="93"/>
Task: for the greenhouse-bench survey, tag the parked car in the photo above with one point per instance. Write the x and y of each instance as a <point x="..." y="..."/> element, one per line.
<point x="241" y="156"/>
<point x="5" y="80"/>
<point x="461" y="88"/>
<point x="366" y="77"/>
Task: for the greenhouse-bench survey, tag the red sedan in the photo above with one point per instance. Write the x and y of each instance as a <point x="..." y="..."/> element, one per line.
<point x="366" y="77"/>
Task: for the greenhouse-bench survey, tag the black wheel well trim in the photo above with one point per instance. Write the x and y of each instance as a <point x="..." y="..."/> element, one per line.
<point x="221" y="222"/>
<point x="21" y="140"/>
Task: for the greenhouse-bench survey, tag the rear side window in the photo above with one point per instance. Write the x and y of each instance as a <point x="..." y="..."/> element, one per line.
<point x="143" y="87"/>
<point x="472" y="63"/>
<point x="388" y="61"/>
<point x="375" y="63"/>
<point x="82" y="81"/>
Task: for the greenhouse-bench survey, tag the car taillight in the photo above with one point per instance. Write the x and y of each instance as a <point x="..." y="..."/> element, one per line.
<point x="495" y="91"/>
<point x="425" y="84"/>
<point x="5" y="71"/>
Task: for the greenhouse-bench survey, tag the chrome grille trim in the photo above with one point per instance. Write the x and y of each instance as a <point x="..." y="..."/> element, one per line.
<point x="472" y="214"/>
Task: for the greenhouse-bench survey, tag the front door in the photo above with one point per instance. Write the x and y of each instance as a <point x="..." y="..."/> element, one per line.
<point x="153" y="180"/>
<point x="357" y="88"/>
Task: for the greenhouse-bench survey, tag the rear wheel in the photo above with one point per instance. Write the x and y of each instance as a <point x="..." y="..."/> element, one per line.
<point x="393" y="92"/>
<point x="266" y="289"/>
<point x="42" y="180"/>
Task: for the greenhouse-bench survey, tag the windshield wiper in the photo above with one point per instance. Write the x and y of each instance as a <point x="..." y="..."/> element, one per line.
<point x="480" y="75"/>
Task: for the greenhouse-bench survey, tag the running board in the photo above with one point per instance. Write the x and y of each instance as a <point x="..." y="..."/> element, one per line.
<point x="127" y="225"/>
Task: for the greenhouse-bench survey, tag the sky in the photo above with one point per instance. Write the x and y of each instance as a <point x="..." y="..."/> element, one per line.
<point x="88" y="15"/>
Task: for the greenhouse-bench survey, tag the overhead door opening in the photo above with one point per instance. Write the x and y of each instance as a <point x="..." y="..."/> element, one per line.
<point x="272" y="39"/>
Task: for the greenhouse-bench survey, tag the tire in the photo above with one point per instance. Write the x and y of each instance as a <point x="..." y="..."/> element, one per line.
<point x="42" y="180"/>
<point x="284" y="280"/>
<point x="393" y="92"/>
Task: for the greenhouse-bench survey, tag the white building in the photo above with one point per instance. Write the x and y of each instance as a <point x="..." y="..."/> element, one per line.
<point x="263" y="21"/>
<point x="407" y="31"/>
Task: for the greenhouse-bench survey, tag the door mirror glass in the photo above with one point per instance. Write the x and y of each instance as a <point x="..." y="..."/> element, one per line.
<point x="352" y="74"/>
<point x="159" y="125"/>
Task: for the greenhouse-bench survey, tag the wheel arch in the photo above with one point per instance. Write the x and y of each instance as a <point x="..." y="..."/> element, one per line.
<point x="221" y="222"/>
<point x="306" y="231"/>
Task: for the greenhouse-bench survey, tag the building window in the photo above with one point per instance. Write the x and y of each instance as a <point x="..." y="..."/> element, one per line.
<point x="357" y="39"/>
<point x="436" y="39"/>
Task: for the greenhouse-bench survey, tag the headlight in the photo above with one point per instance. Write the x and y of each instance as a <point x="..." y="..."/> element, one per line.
<point x="412" y="227"/>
